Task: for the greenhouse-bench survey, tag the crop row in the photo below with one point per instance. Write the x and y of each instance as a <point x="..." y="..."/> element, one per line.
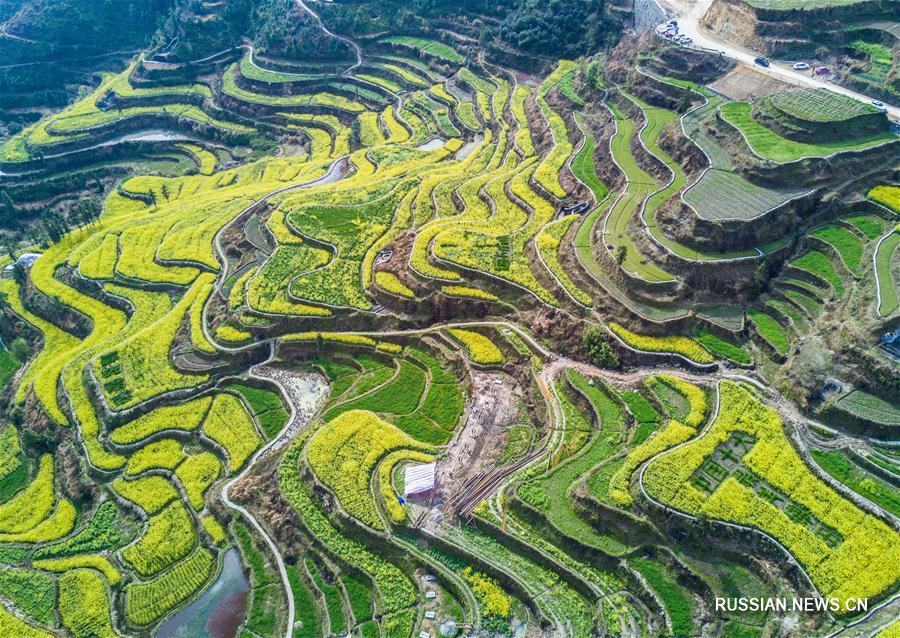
<point x="146" y="602"/>
<point x="396" y="590"/>
<point x="770" y="145"/>
<point x="855" y="566"/>
<point x="480" y="349"/>
<point x="345" y="452"/>
<point x="684" y="346"/>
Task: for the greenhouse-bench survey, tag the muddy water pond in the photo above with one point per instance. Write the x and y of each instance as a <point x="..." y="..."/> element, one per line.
<point x="219" y="611"/>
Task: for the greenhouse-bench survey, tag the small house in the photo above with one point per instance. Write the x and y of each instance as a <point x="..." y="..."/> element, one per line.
<point x="419" y="480"/>
<point x="25" y="260"/>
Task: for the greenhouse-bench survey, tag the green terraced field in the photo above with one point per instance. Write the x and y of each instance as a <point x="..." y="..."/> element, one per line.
<point x="640" y="186"/>
<point x="769" y="145"/>
<point x="657" y="120"/>
<point x="820" y="105"/>
<point x="720" y="193"/>
<point x="888" y="286"/>
<point x="870" y="407"/>
<point x="277" y="292"/>
<point x="793" y="5"/>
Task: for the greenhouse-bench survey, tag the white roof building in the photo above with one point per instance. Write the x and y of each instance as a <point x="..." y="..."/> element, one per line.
<point x="419" y="479"/>
<point x="25" y="260"/>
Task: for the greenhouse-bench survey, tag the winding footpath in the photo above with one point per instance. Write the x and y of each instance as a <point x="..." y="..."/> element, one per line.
<point x="302" y="412"/>
<point x="351" y="43"/>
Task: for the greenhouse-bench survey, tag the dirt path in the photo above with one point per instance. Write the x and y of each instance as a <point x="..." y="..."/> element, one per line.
<point x="306" y="394"/>
<point x="351" y="43"/>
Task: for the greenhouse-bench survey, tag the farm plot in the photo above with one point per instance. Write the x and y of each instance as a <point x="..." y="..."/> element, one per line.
<point x="266" y="604"/>
<point x="409" y="68"/>
<point x="769" y="145"/>
<point x="548" y="242"/>
<point x="312" y="102"/>
<point x="677" y="601"/>
<point x="547" y="173"/>
<point x="848" y="245"/>
<point x="683" y="346"/>
<point x="344" y="453"/>
<point x="720" y="193"/>
<point x="399" y="396"/>
<point x="722" y="347"/>
<point x="821" y="267"/>
<point x="492" y="239"/>
<point x="870" y="408"/>
<point x="657" y="120"/>
<point x="480" y="349"/>
<point x="820" y="105"/>
<point x="745" y="471"/>
<point x="584" y="250"/>
<point x="84" y="117"/>
<point x="770" y="330"/>
<point x="267" y="408"/>
<point x="887" y="279"/>
<point x="881" y="66"/>
<point x="725" y="195"/>
<point x="583" y="168"/>
<point x="841" y="467"/>
<point x="147" y="602"/>
<point x="640" y="186"/>
<point x="888" y="196"/>
<point x="397" y="591"/>
<point x="549" y="493"/>
<point x="560" y="600"/>
<point x="431" y="48"/>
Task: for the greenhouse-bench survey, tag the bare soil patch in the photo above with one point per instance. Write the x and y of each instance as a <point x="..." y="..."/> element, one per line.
<point x="742" y="83"/>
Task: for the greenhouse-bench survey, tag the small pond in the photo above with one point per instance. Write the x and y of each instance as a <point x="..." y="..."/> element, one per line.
<point x="219" y="611"/>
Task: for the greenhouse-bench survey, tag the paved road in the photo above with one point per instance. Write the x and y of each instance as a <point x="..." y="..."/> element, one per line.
<point x="691" y="11"/>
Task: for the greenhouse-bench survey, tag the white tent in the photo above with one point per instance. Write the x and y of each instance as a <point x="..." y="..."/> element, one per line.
<point x="418" y="478"/>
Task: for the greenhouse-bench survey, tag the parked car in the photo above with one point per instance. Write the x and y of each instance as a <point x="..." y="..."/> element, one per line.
<point x="801" y="66"/>
<point x="822" y="70"/>
<point x="761" y="61"/>
<point x="878" y="105"/>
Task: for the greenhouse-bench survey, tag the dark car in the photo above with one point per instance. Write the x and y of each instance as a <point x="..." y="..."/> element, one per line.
<point x="761" y="61"/>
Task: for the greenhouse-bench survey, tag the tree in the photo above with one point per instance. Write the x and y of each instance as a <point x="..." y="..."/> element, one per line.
<point x="19" y="349"/>
<point x="320" y="344"/>
<point x="621" y="254"/>
<point x="598" y="349"/>
<point x="19" y="274"/>
<point x="85" y="211"/>
<point x="559" y="28"/>
<point x="10" y="245"/>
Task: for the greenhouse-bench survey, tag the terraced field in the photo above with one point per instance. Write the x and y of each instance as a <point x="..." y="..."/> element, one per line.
<point x="770" y="145"/>
<point x="720" y="193"/>
<point x="406" y="346"/>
